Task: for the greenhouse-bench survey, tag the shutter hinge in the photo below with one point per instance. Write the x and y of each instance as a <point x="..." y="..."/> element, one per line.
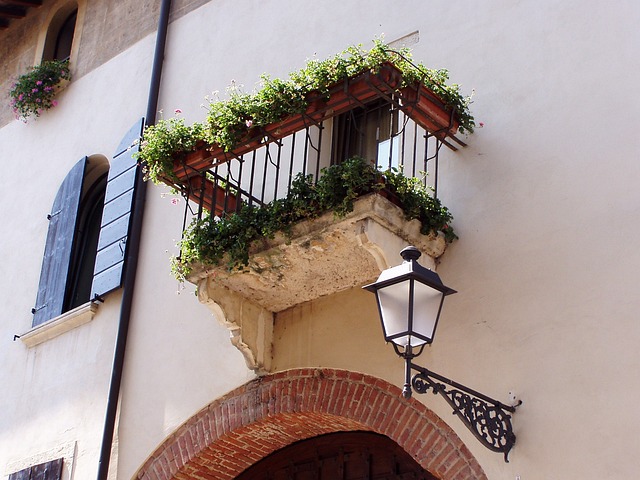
<point x="51" y="215"/>
<point x="35" y="309"/>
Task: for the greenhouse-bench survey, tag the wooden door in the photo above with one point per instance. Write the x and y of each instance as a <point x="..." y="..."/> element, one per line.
<point x="339" y="456"/>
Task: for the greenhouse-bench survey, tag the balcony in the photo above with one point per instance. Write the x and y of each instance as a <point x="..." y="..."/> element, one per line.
<point x="322" y="256"/>
<point x="390" y="124"/>
<point x="369" y="115"/>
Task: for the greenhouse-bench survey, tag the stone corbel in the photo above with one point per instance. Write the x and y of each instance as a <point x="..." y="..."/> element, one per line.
<point x="250" y="325"/>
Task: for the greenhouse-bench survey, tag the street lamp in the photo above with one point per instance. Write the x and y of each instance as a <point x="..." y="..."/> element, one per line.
<point x="410" y="299"/>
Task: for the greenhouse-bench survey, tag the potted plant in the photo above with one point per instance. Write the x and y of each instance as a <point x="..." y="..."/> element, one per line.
<point x="35" y="91"/>
<point x="175" y="152"/>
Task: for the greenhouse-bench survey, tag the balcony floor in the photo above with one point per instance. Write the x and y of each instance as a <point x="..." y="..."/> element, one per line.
<point x="324" y="256"/>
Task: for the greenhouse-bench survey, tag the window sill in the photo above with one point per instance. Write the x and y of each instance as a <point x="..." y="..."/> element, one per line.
<point x="60" y="324"/>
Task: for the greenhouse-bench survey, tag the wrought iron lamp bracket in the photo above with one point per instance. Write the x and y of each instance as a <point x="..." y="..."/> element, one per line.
<point x="489" y="420"/>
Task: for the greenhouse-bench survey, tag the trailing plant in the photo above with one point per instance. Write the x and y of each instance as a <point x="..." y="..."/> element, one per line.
<point x="164" y="140"/>
<point x="215" y="241"/>
<point x="34" y="91"/>
<point x="242" y="114"/>
<point x="229" y="119"/>
<point x="418" y="203"/>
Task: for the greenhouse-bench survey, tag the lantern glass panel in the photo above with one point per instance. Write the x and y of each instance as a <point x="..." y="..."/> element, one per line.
<point x="426" y="309"/>
<point x="394" y="308"/>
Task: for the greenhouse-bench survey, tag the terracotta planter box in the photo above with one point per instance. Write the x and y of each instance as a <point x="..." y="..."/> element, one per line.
<point x="429" y="111"/>
<point x="341" y="98"/>
<point x="418" y="102"/>
<point x="214" y="198"/>
<point x="192" y="163"/>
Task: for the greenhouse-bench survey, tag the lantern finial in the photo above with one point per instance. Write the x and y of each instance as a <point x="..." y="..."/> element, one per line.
<point x="410" y="253"/>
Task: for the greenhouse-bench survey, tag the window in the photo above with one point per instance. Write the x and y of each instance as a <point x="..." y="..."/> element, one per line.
<point x="368" y="132"/>
<point x="45" y="471"/>
<point x="60" y="33"/>
<point x="64" y="39"/>
<point x="85" y="248"/>
<point x="67" y="247"/>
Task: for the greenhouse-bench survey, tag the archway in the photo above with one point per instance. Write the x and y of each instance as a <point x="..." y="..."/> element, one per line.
<point x="269" y="413"/>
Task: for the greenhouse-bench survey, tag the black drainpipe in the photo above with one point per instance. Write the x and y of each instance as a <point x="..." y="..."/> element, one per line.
<point x="132" y="253"/>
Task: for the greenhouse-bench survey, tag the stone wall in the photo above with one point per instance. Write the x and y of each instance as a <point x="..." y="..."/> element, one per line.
<point x="108" y="28"/>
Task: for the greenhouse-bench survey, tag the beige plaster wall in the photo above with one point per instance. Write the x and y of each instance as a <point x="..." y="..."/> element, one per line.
<point x="544" y="200"/>
<point x="55" y="393"/>
<point x="340" y="331"/>
<point x="544" y="197"/>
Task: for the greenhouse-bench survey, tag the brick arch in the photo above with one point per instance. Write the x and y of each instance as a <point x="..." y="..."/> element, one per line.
<point x="271" y="412"/>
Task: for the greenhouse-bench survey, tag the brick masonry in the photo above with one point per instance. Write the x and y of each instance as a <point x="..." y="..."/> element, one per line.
<point x="271" y="412"/>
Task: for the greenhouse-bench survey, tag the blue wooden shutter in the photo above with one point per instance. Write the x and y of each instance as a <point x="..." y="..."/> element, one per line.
<point x="116" y="216"/>
<point x="59" y="246"/>
<point x="21" y="475"/>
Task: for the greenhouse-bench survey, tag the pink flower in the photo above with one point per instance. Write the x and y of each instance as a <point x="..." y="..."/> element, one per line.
<point x="248" y="123"/>
<point x="48" y="89"/>
<point x="481" y="124"/>
<point x="34" y="90"/>
<point x="20" y="97"/>
<point x="174" y="201"/>
<point x="54" y="103"/>
<point x="177" y="111"/>
<point x="39" y="82"/>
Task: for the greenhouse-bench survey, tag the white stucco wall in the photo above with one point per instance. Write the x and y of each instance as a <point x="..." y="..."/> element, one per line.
<point x="545" y="201"/>
<point x="55" y="393"/>
<point x="544" y="197"/>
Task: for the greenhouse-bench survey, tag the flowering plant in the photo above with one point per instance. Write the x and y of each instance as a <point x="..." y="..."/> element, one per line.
<point x="34" y="92"/>
<point x="164" y="139"/>
<point x="229" y="120"/>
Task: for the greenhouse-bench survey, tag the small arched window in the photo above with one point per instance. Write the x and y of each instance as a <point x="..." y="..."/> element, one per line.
<point x="60" y="33"/>
<point x="64" y="39"/>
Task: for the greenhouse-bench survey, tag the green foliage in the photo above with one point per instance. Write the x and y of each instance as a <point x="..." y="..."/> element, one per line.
<point x="418" y="203"/>
<point x="215" y="241"/>
<point x="34" y="92"/>
<point x="229" y="119"/>
<point x="163" y="141"/>
<point x="242" y="114"/>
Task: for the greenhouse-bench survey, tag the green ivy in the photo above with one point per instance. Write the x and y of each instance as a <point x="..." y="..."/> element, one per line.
<point x="214" y="241"/>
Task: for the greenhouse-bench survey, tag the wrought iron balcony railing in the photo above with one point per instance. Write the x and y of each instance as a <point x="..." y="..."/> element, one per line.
<point x="370" y="116"/>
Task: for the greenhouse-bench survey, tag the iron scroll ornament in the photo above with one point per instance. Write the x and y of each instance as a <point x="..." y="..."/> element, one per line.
<point x="487" y="418"/>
